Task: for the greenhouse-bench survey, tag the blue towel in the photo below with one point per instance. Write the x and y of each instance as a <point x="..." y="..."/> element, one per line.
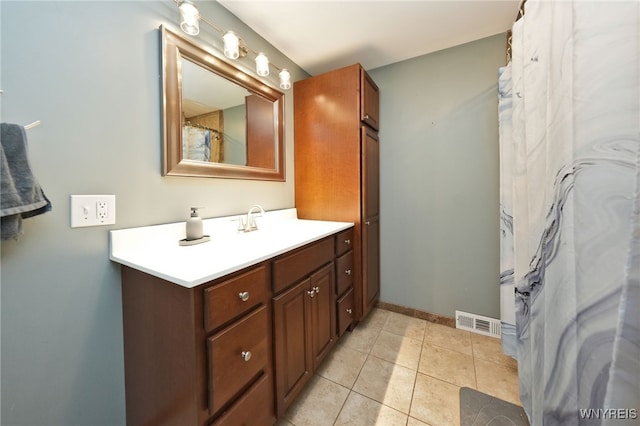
<point x="20" y="194"/>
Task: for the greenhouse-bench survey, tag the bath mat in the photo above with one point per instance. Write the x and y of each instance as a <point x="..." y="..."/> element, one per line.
<point x="480" y="409"/>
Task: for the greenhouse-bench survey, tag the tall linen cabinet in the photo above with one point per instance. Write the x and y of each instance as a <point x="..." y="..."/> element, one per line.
<point x="336" y="122"/>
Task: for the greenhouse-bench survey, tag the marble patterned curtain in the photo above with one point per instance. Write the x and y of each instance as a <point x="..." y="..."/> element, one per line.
<point x="507" y="285"/>
<point x="571" y="183"/>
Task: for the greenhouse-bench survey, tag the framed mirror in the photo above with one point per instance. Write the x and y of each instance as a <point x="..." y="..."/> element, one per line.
<point x="218" y="120"/>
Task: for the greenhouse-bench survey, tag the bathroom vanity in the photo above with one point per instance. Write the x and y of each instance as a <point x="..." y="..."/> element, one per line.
<point x="228" y="332"/>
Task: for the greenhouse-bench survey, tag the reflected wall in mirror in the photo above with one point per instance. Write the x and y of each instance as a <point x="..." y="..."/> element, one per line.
<point x="218" y="120"/>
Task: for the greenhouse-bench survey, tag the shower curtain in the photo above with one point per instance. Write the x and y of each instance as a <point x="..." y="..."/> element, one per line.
<point x="507" y="285"/>
<point x="570" y="210"/>
<point x="196" y="143"/>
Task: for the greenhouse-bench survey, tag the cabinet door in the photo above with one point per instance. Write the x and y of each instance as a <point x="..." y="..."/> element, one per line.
<point x="371" y="262"/>
<point x="323" y="313"/>
<point x="369" y="100"/>
<point x="370" y="158"/>
<point x="292" y="330"/>
<point x="370" y="220"/>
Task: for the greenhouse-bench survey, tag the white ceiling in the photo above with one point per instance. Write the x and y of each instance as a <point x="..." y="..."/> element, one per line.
<point x="321" y="35"/>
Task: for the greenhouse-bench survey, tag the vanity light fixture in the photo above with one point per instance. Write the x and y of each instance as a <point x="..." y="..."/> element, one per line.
<point x="231" y="45"/>
<point x="262" y="65"/>
<point x="189" y="17"/>
<point x="285" y="79"/>
<point x="234" y="46"/>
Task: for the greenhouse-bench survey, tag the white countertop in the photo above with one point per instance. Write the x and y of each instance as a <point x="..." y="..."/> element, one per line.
<point x="156" y="249"/>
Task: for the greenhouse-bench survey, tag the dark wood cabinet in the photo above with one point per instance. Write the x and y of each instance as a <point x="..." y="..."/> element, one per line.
<point x="370" y="173"/>
<point x="239" y="349"/>
<point x="369" y="101"/>
<point x="371" y="219"/>
<point x="336" y="118"/>
<point x="345" y="311"/>
<point x="163" y="352"/>
<point x="290" y="268"/>
<point x="323" y="313"/>
<point x="304" y="319"/>
<point x="371" y="261"/>
<point x="235" y="296"/>
<point x="194" y="356"/>
<point x="236" y="357"/>
<point x="344" y="273"/>
<point x="293" y="357"/>
<point x="251" y="407"/>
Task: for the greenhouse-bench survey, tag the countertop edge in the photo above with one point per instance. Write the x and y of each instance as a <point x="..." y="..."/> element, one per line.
<point x="124" y="258"/>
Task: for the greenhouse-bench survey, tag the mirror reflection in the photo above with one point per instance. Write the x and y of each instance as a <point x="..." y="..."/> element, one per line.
<point x="219" y="121"/>
<point x="213" y="117"/>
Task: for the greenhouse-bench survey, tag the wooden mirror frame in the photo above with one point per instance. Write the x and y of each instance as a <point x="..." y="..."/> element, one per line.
<point x="174" y="48"/>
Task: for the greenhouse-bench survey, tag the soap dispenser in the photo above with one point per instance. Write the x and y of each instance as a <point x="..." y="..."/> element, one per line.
<point x="194" y="225"/>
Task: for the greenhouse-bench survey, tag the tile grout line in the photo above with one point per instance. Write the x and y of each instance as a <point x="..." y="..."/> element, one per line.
<point x="473" y="359"/>
<point x="415" y="379"/>
<point x="342" y="407"/>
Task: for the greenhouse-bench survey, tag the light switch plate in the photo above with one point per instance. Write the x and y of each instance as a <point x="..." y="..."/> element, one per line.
<point x="93" y="210"/>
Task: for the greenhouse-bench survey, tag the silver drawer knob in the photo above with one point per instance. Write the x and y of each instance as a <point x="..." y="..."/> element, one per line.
<point x="316" y="289"/>
<point x="311" y="292"/>
<point x="349" y="311"/>
<point x="246" y="355"/>
<point x="244" y="296"/>
<point x="348" y="272"/>
<point x="347" y="241"/>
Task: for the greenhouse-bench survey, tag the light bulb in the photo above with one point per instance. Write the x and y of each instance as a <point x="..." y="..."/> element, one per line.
<point x="262" y="65"/>
<point x="189" y="18"/>
<point x="231" y="45"/>
<point x="285" y="79"/>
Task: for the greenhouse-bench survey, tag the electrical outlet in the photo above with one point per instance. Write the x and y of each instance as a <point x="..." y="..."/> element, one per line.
<point x="93" y="210"/>
<point x="102" y="211"/>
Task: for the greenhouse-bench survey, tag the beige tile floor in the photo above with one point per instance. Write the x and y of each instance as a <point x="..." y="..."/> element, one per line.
<point x="398" y="370"/>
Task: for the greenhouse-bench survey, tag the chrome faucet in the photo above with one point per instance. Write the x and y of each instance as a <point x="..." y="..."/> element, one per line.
<point x="249" y="224"/>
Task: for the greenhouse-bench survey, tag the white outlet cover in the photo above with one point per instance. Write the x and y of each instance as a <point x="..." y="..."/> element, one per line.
<point x="92" y="210"/>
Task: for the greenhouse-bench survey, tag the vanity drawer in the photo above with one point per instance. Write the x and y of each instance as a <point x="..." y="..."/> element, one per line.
<point x="345" y="311"/>
<point x="255" y="407"/>
<point x="289" y="269"/>
<point x="233" y="297"/>
<point x="344" y="272"/>
<point x="344" y="241"/>
<point x="237" y="356"/>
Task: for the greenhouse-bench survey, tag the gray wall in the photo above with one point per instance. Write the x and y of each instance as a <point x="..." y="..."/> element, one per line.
<point x="91" y="72"/>
<point x="235" y="135"/>
<point x="439" y="179"/>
